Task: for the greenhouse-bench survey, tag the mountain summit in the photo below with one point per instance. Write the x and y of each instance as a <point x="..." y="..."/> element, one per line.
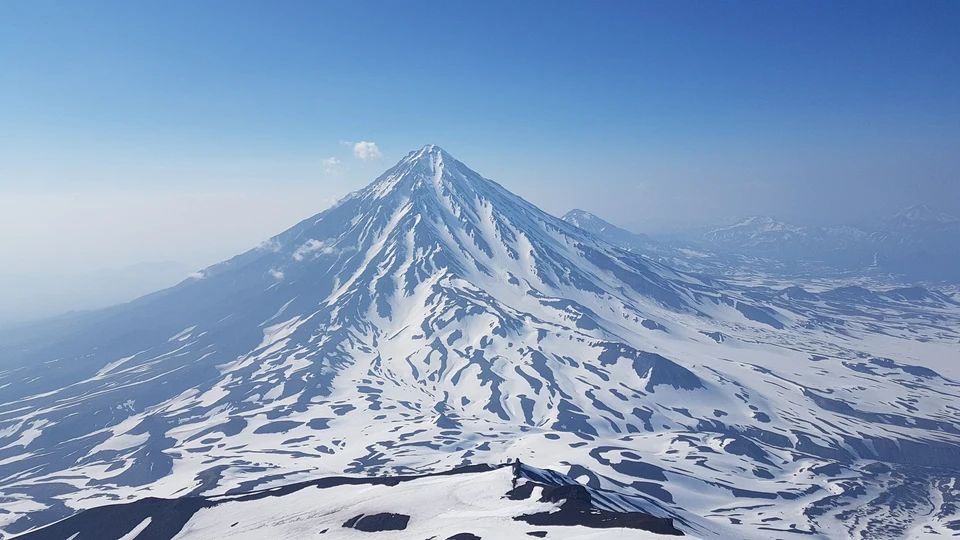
<point x="430" y="220"/>
<point x="921" y="213"/>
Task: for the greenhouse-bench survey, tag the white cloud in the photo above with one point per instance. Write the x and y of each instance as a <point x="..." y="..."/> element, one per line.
<point x="269" y="245"/>
<point x="276" y="274"/>
<point x="313" y="246"/>
<point x="366" y="151"/>
<point x="330" y="166"/>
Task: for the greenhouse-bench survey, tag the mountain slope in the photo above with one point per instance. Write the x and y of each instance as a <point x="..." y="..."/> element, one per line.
<point x="434" y="319"/>
<point x="609" y="232"/>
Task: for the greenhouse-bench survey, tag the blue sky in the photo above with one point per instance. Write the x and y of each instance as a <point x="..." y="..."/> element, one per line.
<point x="156" y="129"/>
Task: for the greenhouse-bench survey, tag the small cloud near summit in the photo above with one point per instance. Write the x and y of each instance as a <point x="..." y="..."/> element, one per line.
<point x="367" y="151"/>
<point x="330" y="166"/>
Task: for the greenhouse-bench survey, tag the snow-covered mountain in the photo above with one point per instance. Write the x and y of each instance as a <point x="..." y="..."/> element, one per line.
<point x="757" y="230"/>
<point x="922" y="215"/>
<point x="611" y="233"/>
<point x="918" y="243"/>
<point x="433" y="320"/>
<point x="837" y="248"/>
<point x="687" y="252"/>
<point x="915" y="244"/>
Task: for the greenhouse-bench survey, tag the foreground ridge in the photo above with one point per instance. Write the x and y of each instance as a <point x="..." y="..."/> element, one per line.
<point x="564" y="509"/>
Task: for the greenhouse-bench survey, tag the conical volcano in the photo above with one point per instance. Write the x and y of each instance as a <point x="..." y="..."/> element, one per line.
<point x="434" y="319"/>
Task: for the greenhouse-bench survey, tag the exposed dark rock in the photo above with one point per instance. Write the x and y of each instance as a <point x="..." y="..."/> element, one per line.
<point x="277" y="427"/>
<point x="653" y="325"/>
<point x="576" y="508"/>
<point x="760" y="314"/>
<point x="384" y="521"/>
<point x="572" y="514"/>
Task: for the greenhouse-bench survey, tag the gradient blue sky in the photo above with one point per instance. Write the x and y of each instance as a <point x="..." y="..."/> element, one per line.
<point x="181" y="130"/>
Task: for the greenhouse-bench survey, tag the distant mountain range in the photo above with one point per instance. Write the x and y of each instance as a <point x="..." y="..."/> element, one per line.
<point x="917" y="243"/>
<point x="27" y="297"/>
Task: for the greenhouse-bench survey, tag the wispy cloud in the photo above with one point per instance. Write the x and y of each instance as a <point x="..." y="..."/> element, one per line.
<point x="313" y="246"/>
<point x="367" y="151"/>
<point x="330" y="166"/>
<point x="269" y="245"/>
